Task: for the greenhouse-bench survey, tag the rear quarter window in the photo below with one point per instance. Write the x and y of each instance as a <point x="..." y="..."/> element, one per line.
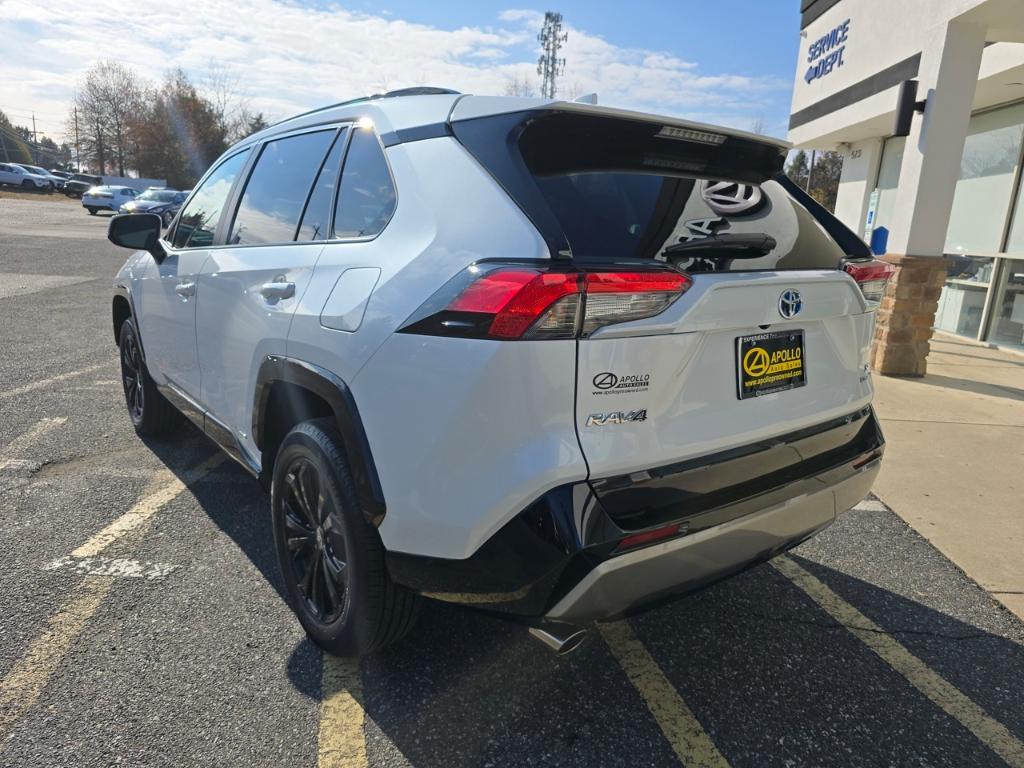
<point x="367" y="196"/>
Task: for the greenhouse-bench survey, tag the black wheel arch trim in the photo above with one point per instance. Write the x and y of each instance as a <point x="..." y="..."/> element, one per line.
<point x="336" y="393"/>
<point x="124" y="292"/>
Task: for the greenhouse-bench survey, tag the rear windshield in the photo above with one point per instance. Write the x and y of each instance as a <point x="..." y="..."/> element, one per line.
<point x="697" y="224"/>
<point x="609" y="189"/>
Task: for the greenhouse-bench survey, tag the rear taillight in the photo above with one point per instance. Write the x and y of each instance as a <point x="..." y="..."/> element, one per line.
<point x="872" y="277"/>
<point x="516" y="302"/>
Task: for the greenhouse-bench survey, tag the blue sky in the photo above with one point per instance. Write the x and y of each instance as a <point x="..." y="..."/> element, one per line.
<point x="721" y="62"/>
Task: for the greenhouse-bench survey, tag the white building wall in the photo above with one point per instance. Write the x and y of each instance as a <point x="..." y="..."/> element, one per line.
<point x="860" y="167"/>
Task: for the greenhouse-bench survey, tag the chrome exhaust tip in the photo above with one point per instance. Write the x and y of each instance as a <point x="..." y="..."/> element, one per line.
<point x="561" y="638"/>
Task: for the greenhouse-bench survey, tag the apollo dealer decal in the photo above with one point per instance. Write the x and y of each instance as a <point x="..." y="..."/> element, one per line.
<point x="610" y="383"/>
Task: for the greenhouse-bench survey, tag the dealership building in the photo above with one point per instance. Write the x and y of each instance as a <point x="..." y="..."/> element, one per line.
<point x="942" y="203"/>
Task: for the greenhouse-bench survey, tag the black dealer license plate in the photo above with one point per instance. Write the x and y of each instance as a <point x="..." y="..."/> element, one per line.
<point x="770" y="362"/>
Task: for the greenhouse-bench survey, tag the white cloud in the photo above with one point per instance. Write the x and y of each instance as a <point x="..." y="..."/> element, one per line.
<point x="290" y="58"/>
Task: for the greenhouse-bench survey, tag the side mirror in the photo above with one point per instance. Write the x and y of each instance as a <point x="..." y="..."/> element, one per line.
<point x="138" y="231"/>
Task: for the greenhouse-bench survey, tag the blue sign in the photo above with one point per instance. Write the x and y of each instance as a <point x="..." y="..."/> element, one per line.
<point x="826" y="53"/>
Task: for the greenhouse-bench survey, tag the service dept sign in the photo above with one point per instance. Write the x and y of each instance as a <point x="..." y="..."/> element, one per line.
<point x="826" y="53"/>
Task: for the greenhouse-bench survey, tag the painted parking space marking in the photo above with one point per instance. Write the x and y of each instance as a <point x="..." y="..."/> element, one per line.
<point x="871" y="505"/>
<point x="948" y="697"/>
<point x="26" y="388"/>
<point x="167" y="487"/>
<point x="25" y="439"/>
<point x="119" y="567"/>
<point x="24" y="683"/>
<point x="341" y="742"/>
<point x="684" y="733"/>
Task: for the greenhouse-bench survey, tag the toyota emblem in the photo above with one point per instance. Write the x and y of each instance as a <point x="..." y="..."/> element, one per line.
<point x="790" y="303"/>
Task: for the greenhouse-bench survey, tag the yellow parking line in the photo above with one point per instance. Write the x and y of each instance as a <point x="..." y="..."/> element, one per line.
<point x="684" y="732"/>
<point x="52" y="380"/>
<point x="24" y="683"/>
<point x="38" y="429"/>
<point x="21" y="687"/>
<point x="341" y="742"/>
<point x="167" y="487"/>
<point x="989" y="731"/>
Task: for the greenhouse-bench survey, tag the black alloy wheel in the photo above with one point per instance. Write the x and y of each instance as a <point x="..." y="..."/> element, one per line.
<point x="131" y="377"/>
<point x="316" y="542"/>
<point x="150" y="411"/>
<point x="332" y="559"/>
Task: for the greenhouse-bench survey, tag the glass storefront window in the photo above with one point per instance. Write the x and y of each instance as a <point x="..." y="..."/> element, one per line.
<point x="888" y="179"/>
<point x="1007" y="324"/>
<point x="963" y="296"/>
<point x="982" y="197"/>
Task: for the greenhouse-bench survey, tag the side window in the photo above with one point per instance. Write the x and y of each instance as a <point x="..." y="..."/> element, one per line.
<point x="317" y="218"/>
<point x="198" y="222"/>
<point x="277" y="188"/>
<point x="366" y="199"/>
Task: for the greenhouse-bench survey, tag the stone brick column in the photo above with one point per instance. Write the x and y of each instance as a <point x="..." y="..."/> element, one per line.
<point x="904" y="320"/>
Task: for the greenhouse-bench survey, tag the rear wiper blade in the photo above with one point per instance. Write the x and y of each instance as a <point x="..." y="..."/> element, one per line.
<point x="755" y="244"/>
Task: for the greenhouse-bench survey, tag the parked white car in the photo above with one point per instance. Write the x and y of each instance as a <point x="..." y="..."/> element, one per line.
<point x="56" y="182"/>
<point x="16" y="176"/>
<point x="554" y="360"/>
<point x="107" y="198"/>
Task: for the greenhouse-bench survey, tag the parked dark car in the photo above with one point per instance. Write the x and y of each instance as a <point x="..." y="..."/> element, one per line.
<point x="80" y="183"/>
<point x="163" y="202"/>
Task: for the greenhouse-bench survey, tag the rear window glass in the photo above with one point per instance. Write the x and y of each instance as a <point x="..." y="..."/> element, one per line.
<point x="277" y="189"/>
<point x="696" y="224"/>
<point x="366" y="198"/>
<point x="316" y="221"/>
<point x="601" y="187"/>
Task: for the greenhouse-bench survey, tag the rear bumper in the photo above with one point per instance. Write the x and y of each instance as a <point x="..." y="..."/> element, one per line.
<point x="623" y="583"/>
<point x="558" y="559"/>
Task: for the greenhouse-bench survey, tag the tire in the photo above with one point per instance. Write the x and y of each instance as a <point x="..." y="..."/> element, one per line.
<point x="331" y="559"/>
<point x="27" y="184"/>
<point x="92" y="211"/>
<point x="150" y="412"/>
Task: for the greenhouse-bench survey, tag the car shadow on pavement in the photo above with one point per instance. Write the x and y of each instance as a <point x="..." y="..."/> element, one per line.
<point x="772" y="678"/>
<point x="971" y="385"/>
<point x="229" y="496"/>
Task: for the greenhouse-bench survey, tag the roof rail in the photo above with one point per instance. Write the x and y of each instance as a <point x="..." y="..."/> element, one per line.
<point x="419" y="90"/>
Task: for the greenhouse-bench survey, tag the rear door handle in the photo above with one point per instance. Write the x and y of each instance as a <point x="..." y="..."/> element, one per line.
<point x="278" y="290"/>
<point x="185" y="289"/>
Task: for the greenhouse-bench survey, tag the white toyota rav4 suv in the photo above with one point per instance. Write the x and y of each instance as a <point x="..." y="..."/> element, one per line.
<point x="555" y="361"/>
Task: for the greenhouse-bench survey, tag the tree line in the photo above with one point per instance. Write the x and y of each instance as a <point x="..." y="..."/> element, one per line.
<point x="123" y="124"/>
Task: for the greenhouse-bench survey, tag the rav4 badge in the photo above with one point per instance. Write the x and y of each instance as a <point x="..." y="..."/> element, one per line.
<point x="615" y="417"/>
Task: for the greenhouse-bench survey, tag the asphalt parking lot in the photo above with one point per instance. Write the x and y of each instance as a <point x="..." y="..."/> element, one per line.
<point x="141" y="620"/>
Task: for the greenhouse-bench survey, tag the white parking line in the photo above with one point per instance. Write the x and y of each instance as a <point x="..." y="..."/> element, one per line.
<point x="114" y="566"/>
<point x="989" y="731"/>
<point x="52" y="380"/>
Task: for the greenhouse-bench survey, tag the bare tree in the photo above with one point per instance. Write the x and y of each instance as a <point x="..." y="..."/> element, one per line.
<point x="109" y="102"/>
<point x="520" y="86"/>
<point x="221" y="88"/>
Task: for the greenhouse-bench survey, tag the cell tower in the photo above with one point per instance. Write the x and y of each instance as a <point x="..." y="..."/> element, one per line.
<point x="549" y="66"/>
